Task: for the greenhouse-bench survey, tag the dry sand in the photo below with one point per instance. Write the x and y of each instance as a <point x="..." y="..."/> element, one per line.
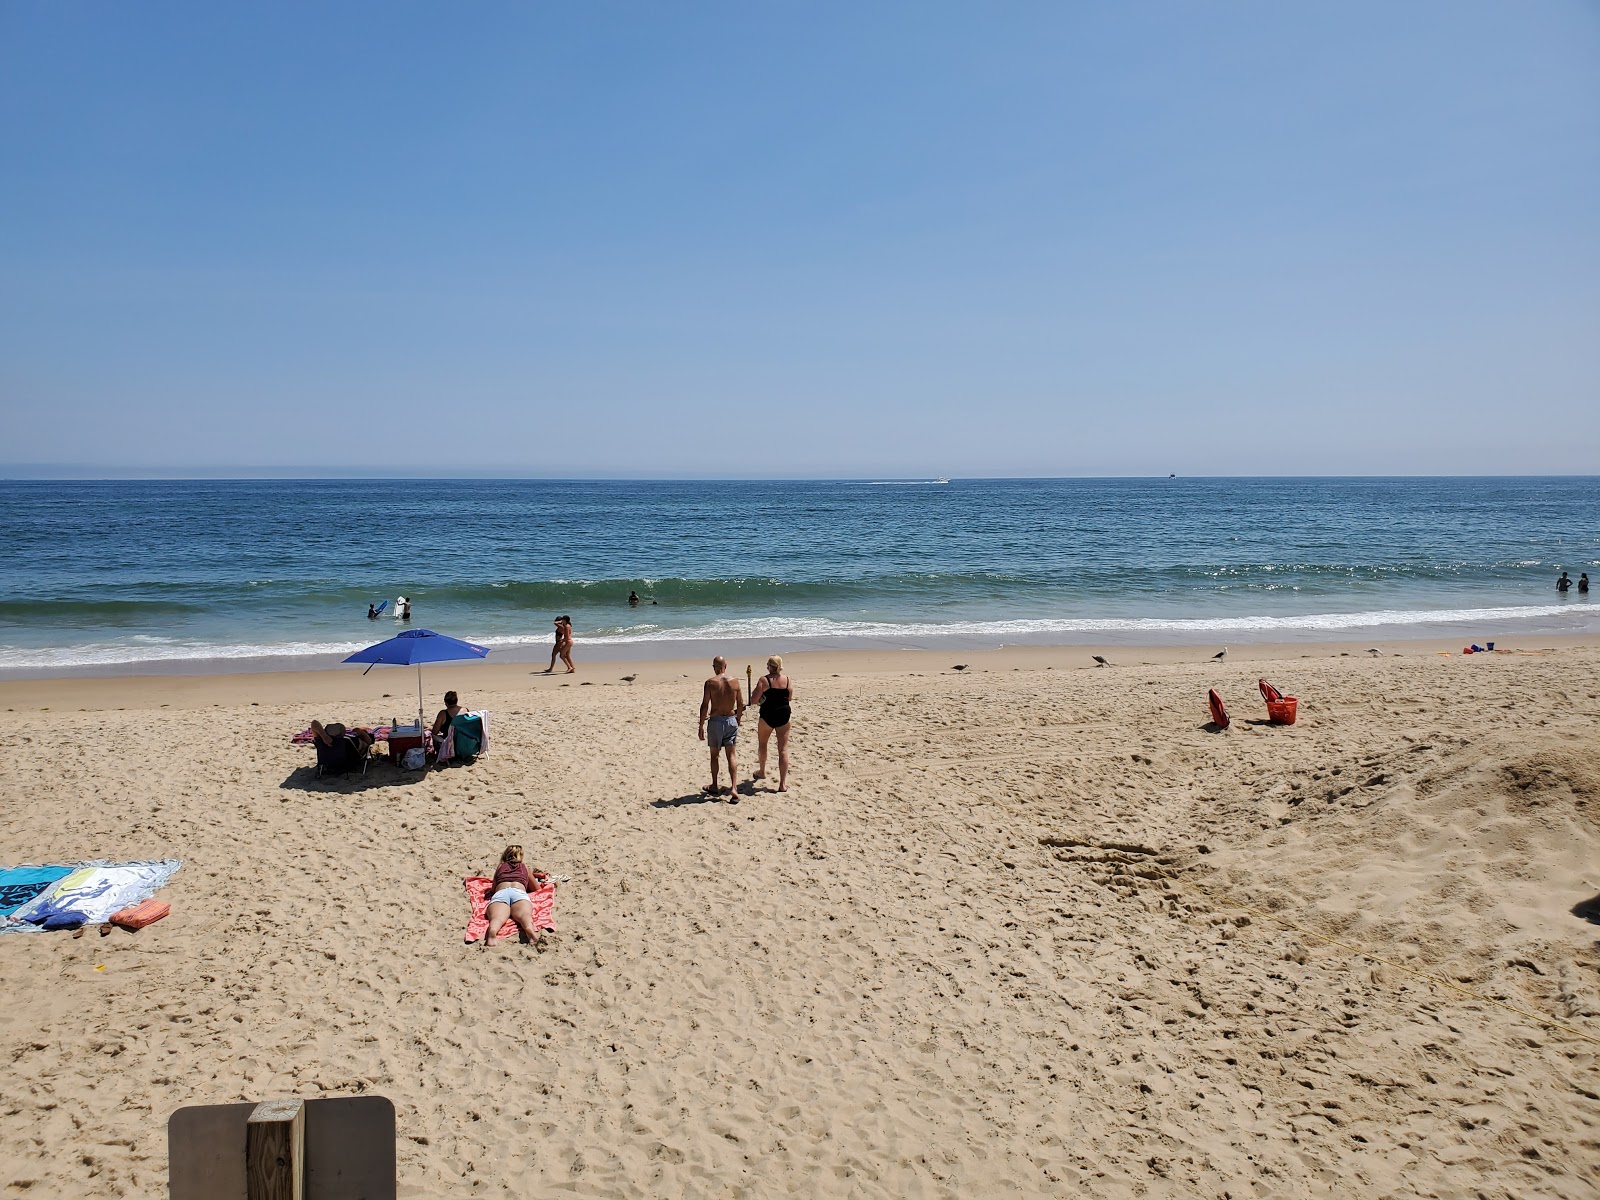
<point x="1026" y="929"/>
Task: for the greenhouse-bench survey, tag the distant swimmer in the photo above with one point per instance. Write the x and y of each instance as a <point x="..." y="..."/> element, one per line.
<point x="372" y="612"/>
<point x="402" y="609"/>
<point x="1563" y="583"/>
<point x="633" y="599"/>
<point x="1583" y="584"/>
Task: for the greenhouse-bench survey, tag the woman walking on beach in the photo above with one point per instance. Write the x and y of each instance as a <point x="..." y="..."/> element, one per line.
<point x="563" y="646"/>
<point x="773" y="693"/>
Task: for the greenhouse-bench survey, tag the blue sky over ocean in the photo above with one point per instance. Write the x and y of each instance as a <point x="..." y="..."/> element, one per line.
<point x="801" y="240"/>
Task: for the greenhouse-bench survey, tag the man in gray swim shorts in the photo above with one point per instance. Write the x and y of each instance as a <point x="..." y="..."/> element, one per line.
<point x="721" y="706"/>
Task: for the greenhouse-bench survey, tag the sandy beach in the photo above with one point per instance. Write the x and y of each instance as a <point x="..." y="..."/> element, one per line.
<point x="1027" y="929"/>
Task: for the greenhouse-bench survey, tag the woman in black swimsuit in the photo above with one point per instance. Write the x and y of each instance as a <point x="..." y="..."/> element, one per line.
<point x="773" y="694"/>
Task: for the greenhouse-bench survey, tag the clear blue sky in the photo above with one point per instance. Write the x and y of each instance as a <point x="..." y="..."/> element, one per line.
<point x="801" y="238"/>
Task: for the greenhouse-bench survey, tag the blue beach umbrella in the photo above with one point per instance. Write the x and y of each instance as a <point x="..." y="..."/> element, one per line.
<point x="413" y="648"/>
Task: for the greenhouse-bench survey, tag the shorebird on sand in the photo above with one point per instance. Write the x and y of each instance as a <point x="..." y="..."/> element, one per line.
<point x="1220" y="655"/>
<point x="1100" y="661"/>
<point x="959" y="667"/>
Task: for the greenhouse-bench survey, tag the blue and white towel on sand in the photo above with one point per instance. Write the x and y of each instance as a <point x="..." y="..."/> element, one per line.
<point x="87" y="893"/>
<point x="18" y="885"/>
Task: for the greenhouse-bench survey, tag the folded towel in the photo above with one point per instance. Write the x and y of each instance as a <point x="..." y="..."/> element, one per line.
<point x="543" y="899"/>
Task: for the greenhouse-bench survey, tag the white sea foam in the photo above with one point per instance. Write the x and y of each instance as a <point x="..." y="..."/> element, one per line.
<point x="147" y="649"/>
<point x="821" y="627"/>
<point x="159" y="650"/>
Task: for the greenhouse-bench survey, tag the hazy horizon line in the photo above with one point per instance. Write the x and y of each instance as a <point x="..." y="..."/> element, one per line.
<point x="96" y="474"/>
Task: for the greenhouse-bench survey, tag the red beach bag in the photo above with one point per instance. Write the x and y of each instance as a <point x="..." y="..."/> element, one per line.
<point x="137" y="916"/>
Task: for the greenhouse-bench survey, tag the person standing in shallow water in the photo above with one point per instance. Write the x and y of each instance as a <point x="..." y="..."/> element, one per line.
<point x="1583" y="584"/>
<point x="1563" y="583"/>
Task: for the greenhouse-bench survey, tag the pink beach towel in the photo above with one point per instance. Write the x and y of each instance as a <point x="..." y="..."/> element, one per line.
<point x="380" y="733"/>
<point x="543" y="899"/>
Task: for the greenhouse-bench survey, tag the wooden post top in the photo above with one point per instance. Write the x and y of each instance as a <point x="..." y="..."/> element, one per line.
<point x="276" y="1110"/>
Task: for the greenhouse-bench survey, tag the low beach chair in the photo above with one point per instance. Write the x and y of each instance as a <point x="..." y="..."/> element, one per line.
<point x="346" y="754"/>
<point x="468" y="736"/>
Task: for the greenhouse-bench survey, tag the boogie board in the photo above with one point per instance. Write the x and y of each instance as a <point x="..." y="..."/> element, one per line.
<point x="1219" y="715"/>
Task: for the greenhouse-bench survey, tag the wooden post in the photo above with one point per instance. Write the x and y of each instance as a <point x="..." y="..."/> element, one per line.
<point x="275" y="1151"/>
<point x="749" y="681"/>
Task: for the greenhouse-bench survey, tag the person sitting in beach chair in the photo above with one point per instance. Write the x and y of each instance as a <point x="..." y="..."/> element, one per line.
<point x="441" y="723"/>
<point x="340" y="750"/>
<point x="466" y="736"/>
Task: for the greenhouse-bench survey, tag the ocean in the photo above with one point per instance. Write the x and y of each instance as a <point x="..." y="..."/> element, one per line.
<point x="136" y="574"/>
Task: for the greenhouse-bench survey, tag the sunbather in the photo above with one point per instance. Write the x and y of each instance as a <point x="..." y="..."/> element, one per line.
<point x="348" y="746"/>
<point x="513" y="880"/>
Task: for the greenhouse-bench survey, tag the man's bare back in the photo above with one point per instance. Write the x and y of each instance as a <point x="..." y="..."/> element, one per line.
<point x="721" y="706"/>
<point x="722" y="698"/>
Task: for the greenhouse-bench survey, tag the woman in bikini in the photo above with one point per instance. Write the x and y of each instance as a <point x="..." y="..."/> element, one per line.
<point x="508" y="899"/>
<point x="773" y="693"/>
<point x="563" y="646"/>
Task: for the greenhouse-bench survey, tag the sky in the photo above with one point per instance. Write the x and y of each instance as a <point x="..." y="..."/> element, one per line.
<point x="800" y="239"/>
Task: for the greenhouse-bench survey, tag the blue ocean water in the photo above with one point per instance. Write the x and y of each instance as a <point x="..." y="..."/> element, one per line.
<point x="122" y="573"/>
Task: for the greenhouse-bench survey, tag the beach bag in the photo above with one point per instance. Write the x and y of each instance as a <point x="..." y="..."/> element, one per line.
<point x="1280" y="708"/>
<point x="1219" y="714"/>
<point x="137" y="916"/>
<point x="414" y="759"/>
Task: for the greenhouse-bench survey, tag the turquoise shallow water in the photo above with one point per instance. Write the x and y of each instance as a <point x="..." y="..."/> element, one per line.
<point x="113" y="573"/>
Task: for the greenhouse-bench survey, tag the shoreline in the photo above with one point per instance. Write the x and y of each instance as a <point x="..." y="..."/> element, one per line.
<point x="1171" y="636"/>
<point x="392" y="686"/>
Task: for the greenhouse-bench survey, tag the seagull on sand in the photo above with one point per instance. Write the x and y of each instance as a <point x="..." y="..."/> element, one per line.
<point x="959" y="667"/>
<point x="1100" y="661"/>
<point x="1220" y="655"/>
<point x="629" y="678"/>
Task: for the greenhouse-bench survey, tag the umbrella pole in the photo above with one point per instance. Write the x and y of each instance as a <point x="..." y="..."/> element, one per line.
<point x="419" y="696"/>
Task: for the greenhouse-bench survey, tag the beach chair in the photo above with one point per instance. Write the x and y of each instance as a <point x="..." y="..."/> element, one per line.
<point x="467" y="737"/>
<point x="346" y="754"/>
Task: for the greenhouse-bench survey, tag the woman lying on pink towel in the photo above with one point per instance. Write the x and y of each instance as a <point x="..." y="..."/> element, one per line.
<point x="513" y="880"/>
